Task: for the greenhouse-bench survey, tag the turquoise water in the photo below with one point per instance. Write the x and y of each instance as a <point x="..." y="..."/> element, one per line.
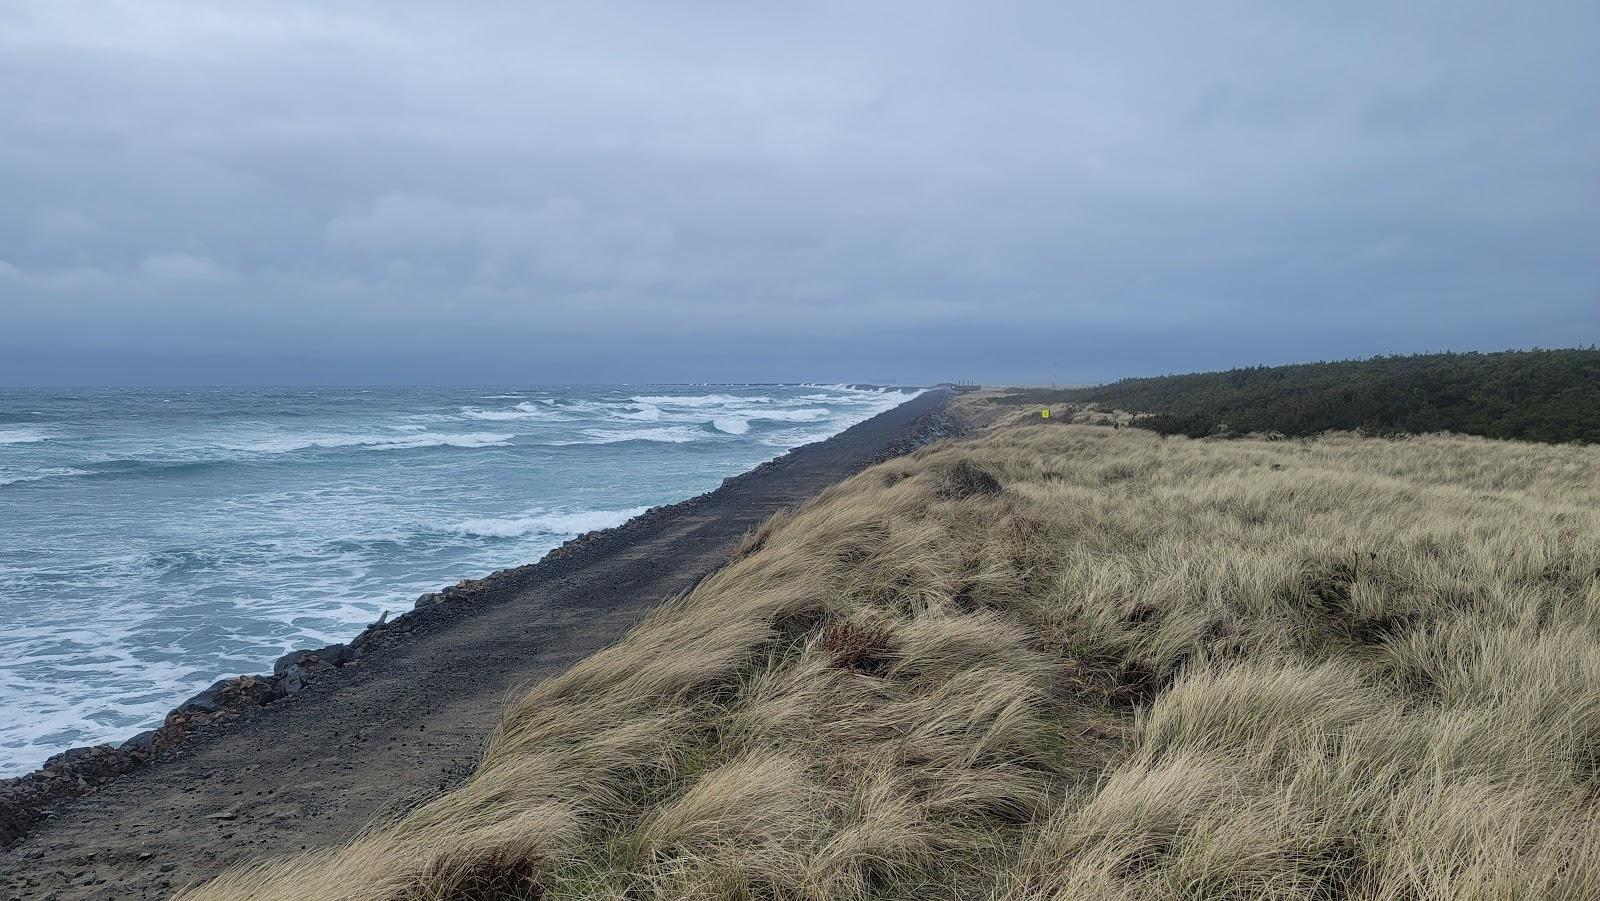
<point x="155" y="540"/>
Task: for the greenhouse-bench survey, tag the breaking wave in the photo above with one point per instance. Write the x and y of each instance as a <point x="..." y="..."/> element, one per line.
<point x="40" y="475"/>
<point x="550" y="523"/>
<point x="698" y="400"/>
<point x="291" y="443"/>
<point x="666" y="435"/>
<point x="22" y="436"/>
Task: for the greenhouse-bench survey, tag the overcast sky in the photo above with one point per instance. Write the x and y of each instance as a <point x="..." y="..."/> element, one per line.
<point x="294" y="192"/>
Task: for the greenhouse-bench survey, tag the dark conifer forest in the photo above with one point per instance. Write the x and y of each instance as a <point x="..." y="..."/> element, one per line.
<point x="1534" y="395"/>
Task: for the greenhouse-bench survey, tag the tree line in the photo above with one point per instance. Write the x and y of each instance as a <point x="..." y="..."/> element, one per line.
<point x="1532" y="395"/>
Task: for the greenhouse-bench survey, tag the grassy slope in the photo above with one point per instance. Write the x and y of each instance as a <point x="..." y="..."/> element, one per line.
<point x="1544" y="395"/>
<point x="1142" y="668"/>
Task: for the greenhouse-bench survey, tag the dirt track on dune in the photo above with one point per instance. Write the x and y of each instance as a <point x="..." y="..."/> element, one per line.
<point x="412" y="715"/>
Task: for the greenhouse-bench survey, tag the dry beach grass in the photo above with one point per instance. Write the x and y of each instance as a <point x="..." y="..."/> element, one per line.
<point x="1071" y="662"/>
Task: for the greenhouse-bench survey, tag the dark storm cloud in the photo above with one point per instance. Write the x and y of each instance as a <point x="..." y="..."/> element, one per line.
<point x="600" y="192"/>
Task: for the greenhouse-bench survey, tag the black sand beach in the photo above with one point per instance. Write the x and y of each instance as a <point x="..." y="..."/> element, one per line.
<point x="411" y="715"/>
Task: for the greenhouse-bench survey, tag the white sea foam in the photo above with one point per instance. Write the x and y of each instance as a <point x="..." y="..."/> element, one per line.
<point x="699" y="400"/>
<point x="790" y="438"/>
<point x="843" y="387"/>
<point x="809" y="414"/>
<point x="497" y="415"/>
<point x="523" y="411"/>
<point x="291" y="443"/>
<point x="740" y="424"/>
<point x="665" y="435"/>
<point x="873" y="398"/>
<point x="22" y="436"/>
<point x="644" y="413"/>
<point x="548" y="523"/>
<point x="7" y="478"/>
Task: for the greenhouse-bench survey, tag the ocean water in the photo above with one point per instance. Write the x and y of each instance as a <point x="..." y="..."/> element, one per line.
<point x="153" y="541"/>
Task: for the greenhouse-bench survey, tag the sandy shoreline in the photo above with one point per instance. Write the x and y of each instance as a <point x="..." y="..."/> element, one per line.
<point x="257" y="770"/>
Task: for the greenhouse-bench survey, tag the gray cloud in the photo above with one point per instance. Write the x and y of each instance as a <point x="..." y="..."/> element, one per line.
<point x="182" y="267"/>
<point x="630" y="191"/>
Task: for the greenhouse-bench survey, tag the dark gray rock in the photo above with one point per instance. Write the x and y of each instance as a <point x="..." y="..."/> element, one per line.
<point x="144" y="741"/>
<point x="332" y="655"/>
<point x="294" y="670"/>
<point x="208" y="701"/>
<point x="297" y="676"/>
<point x="71" y="755"/>
<point x="228" y="695"/>
<point x="293" y="679"/>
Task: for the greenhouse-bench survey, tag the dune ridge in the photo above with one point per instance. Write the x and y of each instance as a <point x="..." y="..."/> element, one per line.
<point x="1064" y="661"/>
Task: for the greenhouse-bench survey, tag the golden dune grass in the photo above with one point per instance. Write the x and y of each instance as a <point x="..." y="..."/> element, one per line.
<point x="1143" y="668"/>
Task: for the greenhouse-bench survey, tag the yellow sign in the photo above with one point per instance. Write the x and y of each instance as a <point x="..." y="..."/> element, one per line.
<point x="1044" y="414"/>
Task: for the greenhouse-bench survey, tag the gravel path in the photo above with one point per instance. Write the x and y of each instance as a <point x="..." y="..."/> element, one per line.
<point x="411" y="717"/>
